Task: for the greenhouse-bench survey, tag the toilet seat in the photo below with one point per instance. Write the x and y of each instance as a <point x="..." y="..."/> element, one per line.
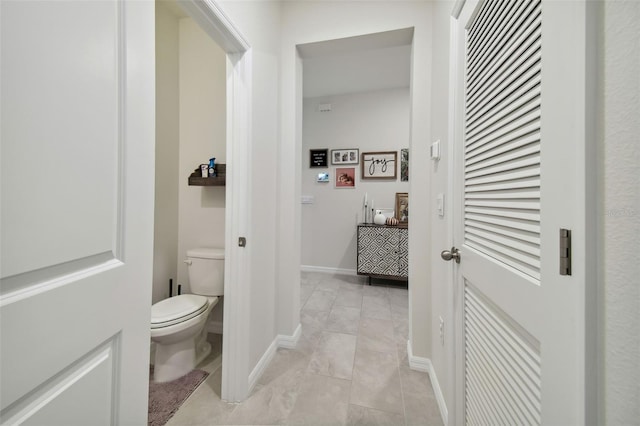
<point x="175" y="310"/>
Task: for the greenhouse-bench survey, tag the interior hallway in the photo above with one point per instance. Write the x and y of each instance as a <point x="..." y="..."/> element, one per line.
<point x="350" y="365"/>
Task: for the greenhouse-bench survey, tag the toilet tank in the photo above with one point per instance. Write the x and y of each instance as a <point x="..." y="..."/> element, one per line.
<point x="206" y="271"/>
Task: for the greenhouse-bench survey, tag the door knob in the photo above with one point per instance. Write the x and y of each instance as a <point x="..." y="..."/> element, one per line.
<point x="454" y="254"/>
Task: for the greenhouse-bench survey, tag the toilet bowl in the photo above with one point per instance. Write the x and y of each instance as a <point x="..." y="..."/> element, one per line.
<point x="178" y="323"/>
<point x="178" y="329"/>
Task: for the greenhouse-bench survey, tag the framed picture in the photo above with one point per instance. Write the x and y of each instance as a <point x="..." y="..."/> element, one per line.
<point x="322" y="177"/>
<point x="318" y="157"/>
<point x="402" y="207"/>
<point x="404" y="165"/>
<point x="345" y="177"/>
<point x="379" y="165"/>
<point x="345" y="156"/>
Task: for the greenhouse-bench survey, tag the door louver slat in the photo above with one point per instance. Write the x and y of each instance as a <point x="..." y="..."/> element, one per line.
<point x="487" y="36"/>
<point x="501" y="145"/>
<point x="510" y="94"/>
<point x="484" y="55"/>
<point x="533" y="216"/>
<point x="520" y="40"/>
<point x="502" y="134"/>
<point x="526" y="46"/>
<point x="503" y="364"/>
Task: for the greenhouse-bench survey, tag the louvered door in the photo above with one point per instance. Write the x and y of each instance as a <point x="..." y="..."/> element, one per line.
<point x="520" y="328"/>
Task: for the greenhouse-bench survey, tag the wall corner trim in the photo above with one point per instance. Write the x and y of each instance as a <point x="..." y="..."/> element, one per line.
<point x="424" y="364"/>
<point x="280" y="341"/>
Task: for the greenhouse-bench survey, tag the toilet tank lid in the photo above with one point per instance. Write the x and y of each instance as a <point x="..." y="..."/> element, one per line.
<point x="206" y="253"/>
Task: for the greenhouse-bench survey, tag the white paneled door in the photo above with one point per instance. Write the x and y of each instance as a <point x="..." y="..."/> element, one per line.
<point x="77" y="158"/>
<point x="520" y="122"/>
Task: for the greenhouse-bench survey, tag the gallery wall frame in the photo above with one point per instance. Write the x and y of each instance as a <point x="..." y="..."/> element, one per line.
<point x="379" y="165"/>
<point x="318" y="157"/>
<point x="345" y="156"/>
<point x="404" y="165"/>
<point x="322" y="177"/>
<point x="345" y="177"/>
<point x="402" y="207"/>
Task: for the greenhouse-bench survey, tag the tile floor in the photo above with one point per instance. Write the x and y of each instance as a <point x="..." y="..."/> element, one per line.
<point x="350" y="366"/>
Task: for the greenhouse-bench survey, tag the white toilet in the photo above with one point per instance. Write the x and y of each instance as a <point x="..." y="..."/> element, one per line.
<point x="178" y="323"/>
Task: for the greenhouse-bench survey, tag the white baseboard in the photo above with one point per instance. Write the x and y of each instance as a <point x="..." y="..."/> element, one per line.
<point x="280" y="341"/>
<point x="258" y="370"/>
<point x="424" y="364"/>
<point x="289" y="342"/>
<point x="323" y="269"/>
<point x="416" y="362"/>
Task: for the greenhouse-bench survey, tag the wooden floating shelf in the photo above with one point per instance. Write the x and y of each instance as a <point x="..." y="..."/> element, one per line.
<point x="220" y="179"/>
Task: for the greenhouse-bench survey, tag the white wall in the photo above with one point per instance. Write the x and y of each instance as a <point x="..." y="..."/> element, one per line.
<point x="307" y="22"/>
<point x="202" y="135"/>
<point x="202" y="112"/>
<point x="619" y="163"/>
<point x="167" y="147"/>
<point x="370" y="122"/>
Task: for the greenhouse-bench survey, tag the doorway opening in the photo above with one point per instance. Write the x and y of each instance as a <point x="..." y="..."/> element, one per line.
<point x="356" y="100"/>
<point x="203" y="66"/>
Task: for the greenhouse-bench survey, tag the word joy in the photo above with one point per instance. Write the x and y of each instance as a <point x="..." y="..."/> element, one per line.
<point x="378" y="161"/>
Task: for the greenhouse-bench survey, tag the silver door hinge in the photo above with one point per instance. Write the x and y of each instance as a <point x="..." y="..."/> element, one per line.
<point x="565" y="252"/>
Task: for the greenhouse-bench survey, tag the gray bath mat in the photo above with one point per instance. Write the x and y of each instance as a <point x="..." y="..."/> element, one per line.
<point x="166" y="398"/>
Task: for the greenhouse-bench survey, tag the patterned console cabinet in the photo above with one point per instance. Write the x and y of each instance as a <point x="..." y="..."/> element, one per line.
<point x="383" y="251"/>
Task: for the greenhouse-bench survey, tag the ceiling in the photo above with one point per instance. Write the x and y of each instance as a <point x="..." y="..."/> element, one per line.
<point x="357" y="64"/>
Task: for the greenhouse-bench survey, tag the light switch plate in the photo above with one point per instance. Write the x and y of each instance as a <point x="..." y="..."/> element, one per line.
<point x="435" y="150"/>
<point x="440" y="204"/>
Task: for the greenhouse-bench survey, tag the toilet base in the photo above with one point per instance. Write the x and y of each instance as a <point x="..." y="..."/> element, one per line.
<point x="203" y="348"/>
<point x="175" y="360"/>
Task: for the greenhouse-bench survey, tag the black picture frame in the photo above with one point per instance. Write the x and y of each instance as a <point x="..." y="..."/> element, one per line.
<point x="318" y="157"/>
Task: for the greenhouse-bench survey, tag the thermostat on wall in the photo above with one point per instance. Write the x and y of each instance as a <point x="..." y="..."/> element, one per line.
<point x="435" y="150"/>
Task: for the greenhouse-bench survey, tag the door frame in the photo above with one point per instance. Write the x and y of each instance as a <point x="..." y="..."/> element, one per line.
<point x="454" y="206"/>
<point x="235" y="336"/>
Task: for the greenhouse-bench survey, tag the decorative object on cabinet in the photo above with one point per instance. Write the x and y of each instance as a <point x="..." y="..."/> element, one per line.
<point x="220" y="179"/>
<point x="404" y="165"/>
<point x="379" y="165"/>
<point x="391" y="221"/>
<point x="386" y="212"/>
<point x="379" y="219"/>
<point x="383" y="251"/>
<point x="318" y="157"/>
<point x="402" y="206"/>
<point x="345" y="177"/>
<point x="344" y="156"/>
<point x="323" y="177"/>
